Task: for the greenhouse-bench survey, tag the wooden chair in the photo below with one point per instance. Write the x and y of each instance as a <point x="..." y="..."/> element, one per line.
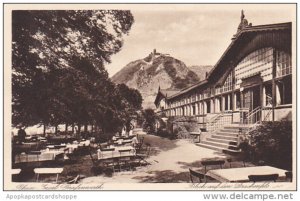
<point x="231" y="162"/>
<point x="212" y="163"/>
<point x="139" y="145"/>
<point x="125" y="163"/>
<point x="289" y="176"/>
<point x="198" y="175"/>
<point x="265" y="177"/>
<point x="103" y="164"/>
<point x="143" y="154"/>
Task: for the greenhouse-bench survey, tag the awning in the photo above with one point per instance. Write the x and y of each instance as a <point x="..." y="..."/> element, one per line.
<point x="251" y="81"/>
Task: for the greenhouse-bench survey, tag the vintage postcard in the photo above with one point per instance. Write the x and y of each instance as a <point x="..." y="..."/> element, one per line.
<point x="149" y="97"/>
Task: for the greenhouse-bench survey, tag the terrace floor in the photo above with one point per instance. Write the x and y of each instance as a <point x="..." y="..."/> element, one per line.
<point x="170" y="162"/>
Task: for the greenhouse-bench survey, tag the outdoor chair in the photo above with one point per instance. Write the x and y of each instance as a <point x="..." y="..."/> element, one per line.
<point x="198" y="175"/>
<point x="103" y="164"/>
<point x="139" y="145"/>
<point x="289" y="176"/>
<point x="266" y="177"/>
<point x="143" y="154"/>
<point x="212" y="163"/>
<point x="125" y="163"/>
<point x="108" y="164"/>
<point x="231" y="161"/>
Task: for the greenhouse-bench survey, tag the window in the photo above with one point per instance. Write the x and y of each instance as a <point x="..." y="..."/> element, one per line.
<point x="285" y="92"/>
<point x="208" y="106"/>
<point x="238" y="100"/>
<point x="283" y="64"/>
<point x="228" y="83"/>
<point x="194" y="110"/>
<point x="268" y="91"/>
<point x="217" y="90"/>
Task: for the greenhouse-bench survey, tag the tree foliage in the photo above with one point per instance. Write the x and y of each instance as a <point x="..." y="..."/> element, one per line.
<point x="58" y="67"/>
<point x="149" y="120"/>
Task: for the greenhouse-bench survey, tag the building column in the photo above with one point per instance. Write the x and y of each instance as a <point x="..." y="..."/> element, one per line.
<point x="223" y="103"/>
<point x="196" y="108"/>
<point x="264" y="96"/>
<point x="185" y="110"/>
<point x="228" y="102"/>
<point x="278" y="97"/>
<point x="234" y="102"/>
<point x="274" y="97"/>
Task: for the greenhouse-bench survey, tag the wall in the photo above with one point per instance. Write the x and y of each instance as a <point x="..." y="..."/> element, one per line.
<point x="283" y="113"/>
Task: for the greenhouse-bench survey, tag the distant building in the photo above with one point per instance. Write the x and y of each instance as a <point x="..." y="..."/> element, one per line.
<point x="160" y="100"/>
<point x="251" y="82"/>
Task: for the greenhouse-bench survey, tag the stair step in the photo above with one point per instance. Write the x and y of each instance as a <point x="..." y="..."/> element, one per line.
<point x="236" y="128"/>
<point x="209" y="147"/>
<point x="229" y="142"/>
<point x="227" y="134"/>
<point x="229" y="151"/>
<point x="231" y="130"/>
<point x="224" y="137"/>
<point x="222" y="145"/>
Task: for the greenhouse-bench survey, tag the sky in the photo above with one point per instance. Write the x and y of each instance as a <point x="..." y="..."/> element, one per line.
<point x="195" y="34"/>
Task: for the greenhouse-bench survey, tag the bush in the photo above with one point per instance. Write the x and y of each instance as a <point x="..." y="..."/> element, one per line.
<point x="164" y="132"/>
<point x="270" y="142"/>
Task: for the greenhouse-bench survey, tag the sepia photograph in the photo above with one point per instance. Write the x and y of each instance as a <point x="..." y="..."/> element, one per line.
<point x="149" y="97"/>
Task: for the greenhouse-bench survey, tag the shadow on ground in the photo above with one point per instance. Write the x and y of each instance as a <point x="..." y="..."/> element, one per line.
<point x="159" y="144"/>
<point x="164" y="176"/>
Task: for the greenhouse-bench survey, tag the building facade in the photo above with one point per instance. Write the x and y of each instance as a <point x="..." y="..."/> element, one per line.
<point x="251" y="82"/>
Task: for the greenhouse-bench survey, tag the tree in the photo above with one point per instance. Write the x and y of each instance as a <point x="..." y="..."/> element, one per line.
<point x="133" y="103"/>
<point x="149" y="120"/>
<point x="58" y="62"/>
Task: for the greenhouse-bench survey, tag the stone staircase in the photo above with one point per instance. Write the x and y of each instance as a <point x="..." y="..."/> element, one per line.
<point x="225" y="139"/>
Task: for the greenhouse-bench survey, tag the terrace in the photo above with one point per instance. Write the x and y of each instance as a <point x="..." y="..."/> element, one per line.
<point x="169" y="161"/>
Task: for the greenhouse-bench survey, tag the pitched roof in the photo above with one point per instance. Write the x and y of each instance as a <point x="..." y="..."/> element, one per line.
<point x="244" y="31"/>
<point x="164" y="93"/>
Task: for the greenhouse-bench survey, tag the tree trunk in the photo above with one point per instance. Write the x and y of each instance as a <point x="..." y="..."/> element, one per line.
<point x="66" y="129"/>
<point x="79" y="128"/>
<point x="85" y="128"/>
<point x="55" y="129"/>
<point x="44" y="130"/>
<point x="73" y="128"/>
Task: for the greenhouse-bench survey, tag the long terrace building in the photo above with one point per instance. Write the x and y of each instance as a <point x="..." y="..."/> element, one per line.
<point x="250" y="83"/>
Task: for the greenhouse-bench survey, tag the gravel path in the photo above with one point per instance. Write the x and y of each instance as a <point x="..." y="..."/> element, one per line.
<point x="170" y="160"/>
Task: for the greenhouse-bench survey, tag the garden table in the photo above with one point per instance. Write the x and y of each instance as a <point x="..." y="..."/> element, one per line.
<point x="241" y="174"/>
<point x="116" y="152"/>
<point x="197" y="134"/>
<point x="56" y="171"/>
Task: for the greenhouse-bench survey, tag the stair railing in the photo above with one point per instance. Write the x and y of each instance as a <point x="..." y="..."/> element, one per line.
<point x="219" y="120"/>
<point x="269" y="112"/>
<point x="213" y="121"/>
<point x="257" y="122"/>
<point x="254" y="116"/>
